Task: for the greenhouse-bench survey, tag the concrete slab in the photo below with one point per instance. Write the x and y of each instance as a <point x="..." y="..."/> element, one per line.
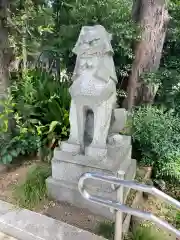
<point x="27" y="225"/>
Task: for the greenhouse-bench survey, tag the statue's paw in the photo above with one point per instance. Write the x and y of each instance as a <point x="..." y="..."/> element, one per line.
<point x="96" y="152"/>
<point x="115" y="139"/>
<point x="68" y="146"/>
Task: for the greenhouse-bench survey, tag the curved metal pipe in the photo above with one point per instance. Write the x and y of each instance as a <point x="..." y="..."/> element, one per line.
<point x="123" y="208"/>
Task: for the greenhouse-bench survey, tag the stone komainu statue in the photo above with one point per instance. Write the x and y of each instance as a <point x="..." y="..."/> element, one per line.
<point x="93" y="89"/>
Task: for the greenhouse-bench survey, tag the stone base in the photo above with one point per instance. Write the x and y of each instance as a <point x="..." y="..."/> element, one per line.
<point x="66" y="191"/>
<point x="67" y="168"/>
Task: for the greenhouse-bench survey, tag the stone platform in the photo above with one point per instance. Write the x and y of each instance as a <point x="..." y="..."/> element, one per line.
<point x="67" y="168"/>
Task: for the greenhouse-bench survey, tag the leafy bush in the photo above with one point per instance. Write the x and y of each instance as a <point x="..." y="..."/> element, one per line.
<point x="33" y="189"/>
<point x="20" y="141"/>
<point x="39" y="105"/>
<point x="42" y="105"/>
<point x="157" y="133"/>
<point x="40" y="97"/>
<point x="12" y="147"/>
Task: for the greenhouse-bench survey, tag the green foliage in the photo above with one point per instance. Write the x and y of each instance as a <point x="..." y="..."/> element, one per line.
<point x="178" y="220"/>
<point x="39" y="104"/>
<point x="106" y="229"/>
<point x="157" y="133"/>
<point x="22" y="144"/>
<point x="42" y="99"/>
<point x="38" y="90"/>
<point x="41" y="111"/>
<point x="146" y="233"/>
<point x="33" y="24"/>
<point x="29" y="24"/>
<point x="29" y="193"/>
<point x="115" y="16"/>
<point x="21" y="141"/>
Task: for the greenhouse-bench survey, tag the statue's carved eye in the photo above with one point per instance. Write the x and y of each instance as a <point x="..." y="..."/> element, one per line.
<point x="91" y="43"/>
<point x="94" y="41"/>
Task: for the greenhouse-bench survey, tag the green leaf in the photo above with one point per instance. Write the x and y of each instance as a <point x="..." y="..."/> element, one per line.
<point x="4" y="151"/>
<point x="7" y="159"/>
<point x="14" y="153"/>
<point x="52" y="126"/>
<point x="23" y="152"/>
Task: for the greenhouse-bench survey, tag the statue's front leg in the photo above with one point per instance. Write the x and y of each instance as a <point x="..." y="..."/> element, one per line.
<point x="102" y="119"/>
<point x="81" y="119"/>
<point x="74" y="136"/>
<point x="73" y="143"/>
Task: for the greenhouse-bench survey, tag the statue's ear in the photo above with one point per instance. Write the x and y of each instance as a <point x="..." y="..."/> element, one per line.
<point x="110" y="37"/>
<point x="76" y="71"/>
<point x="79" y="41"/>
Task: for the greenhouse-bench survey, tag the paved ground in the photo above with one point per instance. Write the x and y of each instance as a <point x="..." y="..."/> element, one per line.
<point x="6" y="237"/>
<point x="24" y="224"/>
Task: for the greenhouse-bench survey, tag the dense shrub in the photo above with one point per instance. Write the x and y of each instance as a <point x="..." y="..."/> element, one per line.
<point x="17" y="141"/>
<point x="42" y="103"/>
<point x="14" y="146"/>
<point x="38" y="103"/>
<point x="41" y="97"/>
<point x="157" y="133"/>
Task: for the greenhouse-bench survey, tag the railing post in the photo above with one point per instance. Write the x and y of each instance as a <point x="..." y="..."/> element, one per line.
<point x="119" y="214"/>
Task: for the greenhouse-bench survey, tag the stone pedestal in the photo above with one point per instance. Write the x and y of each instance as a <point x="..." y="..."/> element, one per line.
<point x="68" y="167"/>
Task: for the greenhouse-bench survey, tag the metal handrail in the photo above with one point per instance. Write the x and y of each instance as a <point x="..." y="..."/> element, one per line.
<point x="123" y="208"/>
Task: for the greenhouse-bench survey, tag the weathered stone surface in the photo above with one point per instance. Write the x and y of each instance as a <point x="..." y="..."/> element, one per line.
<point x="116" y="154"/>
<point x="63" y="191"/>
<point x="120" y="119"/>
<point x="26" y="225"/>
<point x="63" y="185"/>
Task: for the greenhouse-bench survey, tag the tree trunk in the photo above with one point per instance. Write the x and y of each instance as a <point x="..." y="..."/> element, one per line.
<point x="5" y="55"/>
<point x="153" y="18"/>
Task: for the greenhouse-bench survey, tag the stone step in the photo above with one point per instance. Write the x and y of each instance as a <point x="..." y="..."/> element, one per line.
<point x="66" y="190"/>
<point x="23" y="224"/>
